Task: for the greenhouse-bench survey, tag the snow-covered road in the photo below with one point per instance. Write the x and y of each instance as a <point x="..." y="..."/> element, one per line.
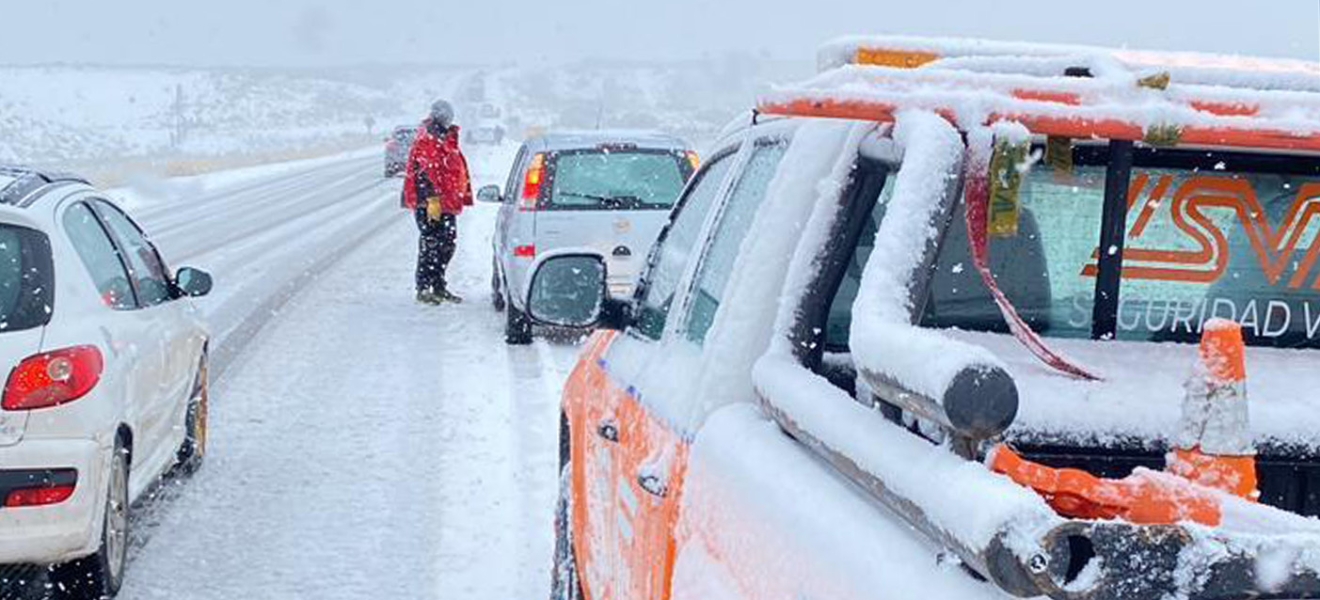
<point x="265" y="232"/>
<point x="362" y="445"/>
<point x="366" y="446"/>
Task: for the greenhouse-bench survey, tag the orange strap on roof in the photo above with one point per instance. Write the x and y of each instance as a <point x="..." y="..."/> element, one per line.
<point x="1242" y="136"/>
<point x="1067" y="90"/>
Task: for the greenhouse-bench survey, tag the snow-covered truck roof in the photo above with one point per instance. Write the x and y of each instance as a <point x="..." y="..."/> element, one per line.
<point x="1073" y="91"/>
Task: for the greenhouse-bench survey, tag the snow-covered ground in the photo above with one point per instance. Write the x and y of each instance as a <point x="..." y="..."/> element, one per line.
<point x="114" y="122"/>
<point x="367" y="446"/>
<point x="362" y="445"/>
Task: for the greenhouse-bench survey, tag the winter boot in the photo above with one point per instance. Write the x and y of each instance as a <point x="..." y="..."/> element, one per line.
<point x="428" y="297"/>
<point x="447" y="296"/>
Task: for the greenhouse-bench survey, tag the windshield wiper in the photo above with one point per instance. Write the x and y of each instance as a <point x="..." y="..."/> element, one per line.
<point x="601" y="199"/>
<point x="611" y="202"/>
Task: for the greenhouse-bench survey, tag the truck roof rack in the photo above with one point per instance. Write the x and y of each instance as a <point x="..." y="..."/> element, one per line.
<point x="1162" y="98"/>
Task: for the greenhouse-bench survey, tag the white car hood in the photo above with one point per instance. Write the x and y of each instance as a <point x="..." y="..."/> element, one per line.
<point x="1138" y="399"/>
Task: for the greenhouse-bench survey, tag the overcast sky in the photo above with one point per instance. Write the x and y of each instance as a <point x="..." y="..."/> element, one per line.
<point x="336" y="32"/>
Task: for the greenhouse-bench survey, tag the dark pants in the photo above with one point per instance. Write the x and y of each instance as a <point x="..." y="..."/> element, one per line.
<point x="435" y="249"/>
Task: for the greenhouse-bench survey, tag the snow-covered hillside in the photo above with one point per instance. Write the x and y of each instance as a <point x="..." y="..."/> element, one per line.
<point x="75" y="116"/>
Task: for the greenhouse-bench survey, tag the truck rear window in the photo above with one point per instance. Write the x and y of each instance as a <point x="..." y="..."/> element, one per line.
<point x="26" y="280"/>
<point x="616" y="180"/>
<point x="1208" y="235"/>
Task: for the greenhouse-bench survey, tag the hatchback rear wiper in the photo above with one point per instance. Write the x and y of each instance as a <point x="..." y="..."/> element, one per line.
<point x="611" y="202"/>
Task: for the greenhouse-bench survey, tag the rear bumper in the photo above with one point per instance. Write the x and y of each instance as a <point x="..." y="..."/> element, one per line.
<point x="622" y="290"/>
<point x="60" y="532"/>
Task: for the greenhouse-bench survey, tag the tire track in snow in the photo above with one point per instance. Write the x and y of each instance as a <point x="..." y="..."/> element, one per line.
<point x="366" y="446"/>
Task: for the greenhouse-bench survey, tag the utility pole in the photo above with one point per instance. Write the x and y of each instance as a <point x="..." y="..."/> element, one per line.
<point x="178" y="132"/>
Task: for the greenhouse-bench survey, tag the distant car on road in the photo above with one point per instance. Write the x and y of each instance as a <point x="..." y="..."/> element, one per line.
<point x="489" y="128"/>
<point x="604" y="192"/>
<point x="397" y="146"/>
<point x="105" y="360"/>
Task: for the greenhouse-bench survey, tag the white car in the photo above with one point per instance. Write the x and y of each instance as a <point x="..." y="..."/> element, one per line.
<point x="608" y="193"/>
<point x="104" y="359"/>
<point x="488" y="128"/>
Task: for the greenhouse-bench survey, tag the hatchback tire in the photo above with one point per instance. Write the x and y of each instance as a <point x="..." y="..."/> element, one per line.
<point x="517" y="326"/>
<point x="101" y="574"/>
<point x="193" y="450"/>
<point x="496" y="290"/>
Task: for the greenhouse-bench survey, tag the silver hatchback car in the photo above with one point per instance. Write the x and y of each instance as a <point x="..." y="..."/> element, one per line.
<point x="603" y="192"/>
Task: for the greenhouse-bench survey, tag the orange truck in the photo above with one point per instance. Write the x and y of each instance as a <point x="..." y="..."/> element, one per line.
<point x="926" y="326"/>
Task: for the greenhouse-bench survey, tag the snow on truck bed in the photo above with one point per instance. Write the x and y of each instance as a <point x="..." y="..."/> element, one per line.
<point x="1140" y="395"/>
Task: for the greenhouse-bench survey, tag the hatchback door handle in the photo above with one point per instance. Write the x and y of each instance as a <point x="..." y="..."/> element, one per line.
<point x="609" y="431"/>
<point x="653" y="485"/>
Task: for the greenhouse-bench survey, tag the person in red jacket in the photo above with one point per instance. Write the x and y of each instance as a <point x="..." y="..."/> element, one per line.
<point x="437" y="188"/>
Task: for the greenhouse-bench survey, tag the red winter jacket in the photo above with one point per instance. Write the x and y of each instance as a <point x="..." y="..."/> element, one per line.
<point x="443" y="167"/>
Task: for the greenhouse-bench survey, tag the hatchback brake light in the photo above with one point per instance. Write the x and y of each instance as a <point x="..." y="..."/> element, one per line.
<point x="53" y="378"/>
<point x="39" y="496"/>
<point x="532" y="184"/>
<point x="524" y="251"/>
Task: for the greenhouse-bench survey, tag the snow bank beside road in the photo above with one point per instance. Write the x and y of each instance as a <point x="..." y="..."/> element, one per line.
<point x="143" y="192"/>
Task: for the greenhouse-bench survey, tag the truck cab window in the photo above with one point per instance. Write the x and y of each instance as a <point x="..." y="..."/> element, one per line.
<point x="676" y="246"/>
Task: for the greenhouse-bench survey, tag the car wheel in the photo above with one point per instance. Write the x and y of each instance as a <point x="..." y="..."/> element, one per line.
<point x="496" y="291"/>
<point x="100" y="575"/>
<point x="564" y="581"/>
<point x="517" y="327"/>
<point x="193" y="451"/>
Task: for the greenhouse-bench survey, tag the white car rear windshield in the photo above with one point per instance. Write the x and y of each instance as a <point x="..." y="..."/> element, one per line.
<point x="1208" y="235"/>
<point x="26" y="283"/>
<point x="616" y="179"/>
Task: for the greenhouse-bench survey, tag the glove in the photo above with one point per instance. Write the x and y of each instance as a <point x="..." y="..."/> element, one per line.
<point x="434" y="209"/>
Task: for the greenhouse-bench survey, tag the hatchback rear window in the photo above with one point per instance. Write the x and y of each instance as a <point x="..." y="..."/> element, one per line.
<point x="616" y="180"/>
<point x="1208" y="234"/>
<point x="26" y="279"/>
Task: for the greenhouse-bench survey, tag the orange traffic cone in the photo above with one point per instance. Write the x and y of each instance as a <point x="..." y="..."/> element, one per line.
<point x="1214" y="446"/>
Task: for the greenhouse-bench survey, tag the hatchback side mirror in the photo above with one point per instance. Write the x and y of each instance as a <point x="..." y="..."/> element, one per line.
<point x="570" y="291"/>
<point x="193" y="282"/>
<point x="490" y="194"/>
